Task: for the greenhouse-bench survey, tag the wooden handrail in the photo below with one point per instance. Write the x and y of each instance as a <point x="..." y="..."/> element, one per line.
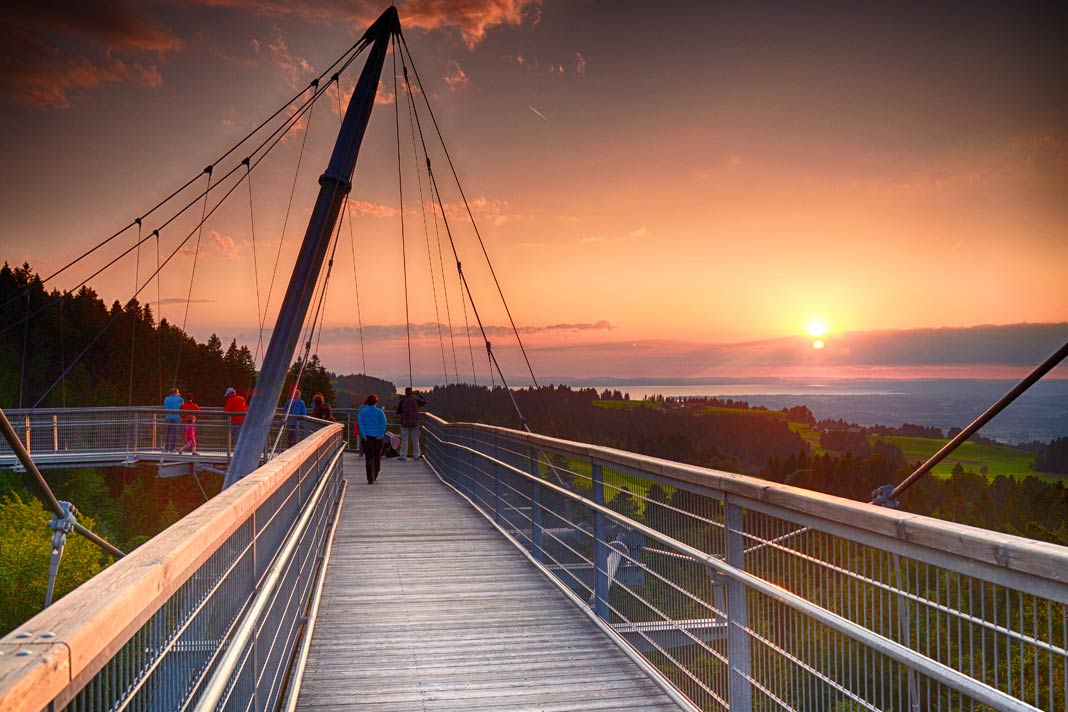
<point x="59" y="650"/>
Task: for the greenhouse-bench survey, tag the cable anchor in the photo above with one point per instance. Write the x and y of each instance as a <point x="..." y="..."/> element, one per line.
<point x="60" y="529"/>
<point x="881" y="497"/>
<point x="209" y="168"/>
<point x="247" y="162"/>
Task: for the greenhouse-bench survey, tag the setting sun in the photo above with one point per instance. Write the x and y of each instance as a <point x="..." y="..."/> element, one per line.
<point x="818" y="344"/>
<point x="816" y="327"/>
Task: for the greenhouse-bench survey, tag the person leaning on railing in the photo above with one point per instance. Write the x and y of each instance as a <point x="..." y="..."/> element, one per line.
<point x="372" y="422"/>
<point x="173" y="418"/>
<point x="408" y="410"/>
<point x="237" y="407"/>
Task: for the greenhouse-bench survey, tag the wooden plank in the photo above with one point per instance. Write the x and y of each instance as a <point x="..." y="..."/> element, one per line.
<point x="427" y="607"/>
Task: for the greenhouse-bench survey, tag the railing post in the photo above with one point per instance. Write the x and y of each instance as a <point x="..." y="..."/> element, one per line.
<point x="135" y="432"/>
<point x="55" y="432"/>
<point x="600" y="546"/>
<point x="28" y="448"/>
<point x="537" y="534"/>
<point x="739" y="690"/>
<point x="154" y="445"/>
<point x="498" y="507"/>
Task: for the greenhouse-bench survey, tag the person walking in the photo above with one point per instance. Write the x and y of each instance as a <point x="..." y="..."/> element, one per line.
<point x="321" y="409"/>
<point x="190" y="424"/>
<point x="294" y="409"/>
<point x="173" y="420"/>
<point x="408" y="410"/>
<point x="372" y="422"/>
<point x="237" y="407"/>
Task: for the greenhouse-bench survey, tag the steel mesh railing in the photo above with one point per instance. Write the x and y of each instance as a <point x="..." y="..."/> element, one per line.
<point x="224" y="588"/>
<point x="75" y="436"/>
<point x="748" y="595"/>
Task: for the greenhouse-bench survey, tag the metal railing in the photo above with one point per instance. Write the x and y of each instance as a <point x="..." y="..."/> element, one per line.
<point x="57" y="437"/>
<point x="209" y="613"/>
<point x="749" y="595"/>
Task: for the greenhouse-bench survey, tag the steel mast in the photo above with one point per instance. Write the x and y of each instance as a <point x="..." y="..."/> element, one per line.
<point x="335" y="185"/>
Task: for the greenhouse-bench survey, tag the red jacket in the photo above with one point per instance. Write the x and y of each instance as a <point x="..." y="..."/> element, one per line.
<point x="236" y="404"/>
<point x="189" y="406"/>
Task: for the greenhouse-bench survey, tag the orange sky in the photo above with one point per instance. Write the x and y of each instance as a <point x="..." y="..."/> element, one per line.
<point x="706" y="175"/>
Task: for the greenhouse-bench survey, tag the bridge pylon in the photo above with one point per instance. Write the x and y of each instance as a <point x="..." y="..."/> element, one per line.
<point x="335" y="184"/>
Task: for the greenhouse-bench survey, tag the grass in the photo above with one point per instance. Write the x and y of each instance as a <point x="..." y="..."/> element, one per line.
<point x="999" y="459"/>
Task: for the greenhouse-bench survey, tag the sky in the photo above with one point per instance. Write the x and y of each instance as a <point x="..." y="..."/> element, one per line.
<point x="670" y="189"/>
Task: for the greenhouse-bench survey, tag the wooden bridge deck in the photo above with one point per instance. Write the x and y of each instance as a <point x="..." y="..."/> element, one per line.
<point x="427" y="607"/>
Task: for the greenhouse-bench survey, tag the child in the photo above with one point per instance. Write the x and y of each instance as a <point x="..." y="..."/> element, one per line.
<point x="190" y="435"/>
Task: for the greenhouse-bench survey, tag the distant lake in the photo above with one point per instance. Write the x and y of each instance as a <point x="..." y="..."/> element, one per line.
<point x="732" y="390"/>
<point x="1039" y="414"/>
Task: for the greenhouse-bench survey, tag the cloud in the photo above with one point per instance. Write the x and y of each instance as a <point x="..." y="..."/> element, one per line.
<point x="495" y="212"/>
<point x="580" y="65"/>
<point x="456" y="78"/>
<point x="50" y="51"/>
<point x="385" y="332"/>
<point x="538" y="113"/>
<point x="383" y="95"/>
<point x="224" y="244"/>
<point x="293" y="67"/>
<point x="472" y="19"/>
<point x="378" y="210"/>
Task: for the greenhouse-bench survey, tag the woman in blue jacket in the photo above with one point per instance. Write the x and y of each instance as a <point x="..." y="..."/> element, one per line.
<point x="372" y="422"/>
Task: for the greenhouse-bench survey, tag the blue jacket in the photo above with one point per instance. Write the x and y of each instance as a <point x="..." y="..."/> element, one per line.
<point x="173" y="402"/>
<point x="372" y="421"/>
<point x="295" y="406"/>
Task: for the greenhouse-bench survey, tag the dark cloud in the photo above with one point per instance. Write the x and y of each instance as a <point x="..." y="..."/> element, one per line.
<point x="471" y="18"/>
<point x="49" y="51"/>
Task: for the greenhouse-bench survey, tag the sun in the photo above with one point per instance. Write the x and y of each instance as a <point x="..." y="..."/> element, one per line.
<point x="816" y="327"/>
<point x="818" y="344"/>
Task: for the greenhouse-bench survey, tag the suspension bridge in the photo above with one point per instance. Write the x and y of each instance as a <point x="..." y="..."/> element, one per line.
<point x="506" y="570"/>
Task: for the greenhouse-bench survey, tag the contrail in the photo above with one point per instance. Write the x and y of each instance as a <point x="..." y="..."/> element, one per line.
<point x="538" y="113"/>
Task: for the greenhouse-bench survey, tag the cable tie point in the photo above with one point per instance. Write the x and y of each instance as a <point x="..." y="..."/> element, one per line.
<point x="315" y="82"/>
<point x="209" y="169"/>
<point x="247" y="161"/>
<point x="137" y="221"/>
<point x="335" y="77"/>
<point x="156" y="233"/>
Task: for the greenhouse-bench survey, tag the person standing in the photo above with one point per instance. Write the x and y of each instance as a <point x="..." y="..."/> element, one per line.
<point x="236" y="405"/>
<point x="408" y="410"/>
<point x="322" y="409"/>
<point x="173" y="420"/>
<point x="372" y="422"/>
<point x="190" y="424"/>
<point x="295" y="409"/>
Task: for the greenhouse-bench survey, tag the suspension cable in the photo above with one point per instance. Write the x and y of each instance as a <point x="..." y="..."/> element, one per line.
<point x="429" y="257"/>
<point x="25" y="342"/>
<point x="271" y="141"/>
<point x="170" y="257"/>
<point x="159" y="325"/>
<point x="289" y="208"/>
<point x="133" y="326"/>
<point x="192" y="276"/>
<point x="355" y="280"/>
<point x="355" y="50"/>
<point x="62" y="355"/>
<point x="478" y="234"/>
<point x="400" y="191"/>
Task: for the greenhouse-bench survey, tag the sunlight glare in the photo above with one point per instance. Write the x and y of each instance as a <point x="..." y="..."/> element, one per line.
<point x="818" y="344"/>
<point x="816" y="327"/>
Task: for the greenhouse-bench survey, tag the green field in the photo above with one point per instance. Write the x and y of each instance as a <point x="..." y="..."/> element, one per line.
<point x="999" y="459"/>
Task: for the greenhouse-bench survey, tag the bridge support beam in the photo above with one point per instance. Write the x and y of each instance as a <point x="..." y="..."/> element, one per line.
<point x="335" y="185"/>
<point x="740" y="692"/>
<point x="600" y="546"/>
